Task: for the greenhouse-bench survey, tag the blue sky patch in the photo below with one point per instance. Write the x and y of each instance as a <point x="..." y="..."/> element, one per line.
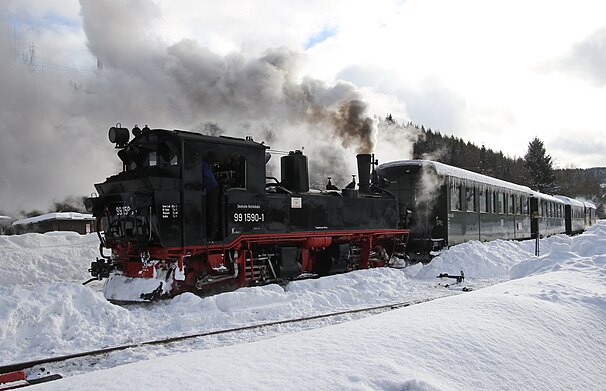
<point x="48" y="21"/>
<point x="327" y="32"/>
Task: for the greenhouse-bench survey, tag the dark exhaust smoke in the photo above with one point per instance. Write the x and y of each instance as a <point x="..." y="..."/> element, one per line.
<point x="353" y="126"/>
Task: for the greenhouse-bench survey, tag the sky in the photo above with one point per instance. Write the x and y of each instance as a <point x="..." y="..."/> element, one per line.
<point x="494" y="73"/>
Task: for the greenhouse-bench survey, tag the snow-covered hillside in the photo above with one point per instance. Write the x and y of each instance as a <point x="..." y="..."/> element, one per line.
<point x="541" y="327"/>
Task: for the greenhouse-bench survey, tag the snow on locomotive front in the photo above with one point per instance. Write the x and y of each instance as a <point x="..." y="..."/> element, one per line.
<point x="196" y="213"/>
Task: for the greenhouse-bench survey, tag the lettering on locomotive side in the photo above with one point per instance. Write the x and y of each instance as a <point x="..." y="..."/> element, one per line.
<point x="248" y="206"/>
<point x="249" y="217"/>
<point x="122" y="210"/>
<point x="169" y="211"/>
<point x="255" y="216"/>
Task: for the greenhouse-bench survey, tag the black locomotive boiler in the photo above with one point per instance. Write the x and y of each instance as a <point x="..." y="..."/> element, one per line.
<point x="196" y="213"/>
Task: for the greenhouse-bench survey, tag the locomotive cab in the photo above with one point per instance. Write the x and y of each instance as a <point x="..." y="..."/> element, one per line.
<point x="162" y="198"/>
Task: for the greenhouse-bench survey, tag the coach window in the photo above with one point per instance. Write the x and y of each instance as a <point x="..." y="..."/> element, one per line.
<point x="470" y="199"/>
<point x="518" y="203"/>
<point x="553" y="210"/>
<point x="483" y="200"/>
<point x="495" y="202"/>
<point x="510" y="204"/>
<point x="501" y="203"/>
<point x="541" y="209"/>
<point x="455" y="197"/>
<point x="525" y="209"/>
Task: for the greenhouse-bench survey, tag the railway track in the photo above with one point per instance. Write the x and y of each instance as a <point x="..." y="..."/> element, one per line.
<point x="37" y="371"/>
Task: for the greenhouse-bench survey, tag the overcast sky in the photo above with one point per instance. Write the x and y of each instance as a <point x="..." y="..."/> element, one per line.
<point x="496" y="73"/>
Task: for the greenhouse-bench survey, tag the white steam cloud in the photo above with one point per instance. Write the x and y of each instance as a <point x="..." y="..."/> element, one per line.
<point x="54" y="127"/>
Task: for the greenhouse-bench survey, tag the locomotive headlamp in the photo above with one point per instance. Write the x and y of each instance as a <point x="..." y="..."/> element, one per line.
<point x="119" y="136"/>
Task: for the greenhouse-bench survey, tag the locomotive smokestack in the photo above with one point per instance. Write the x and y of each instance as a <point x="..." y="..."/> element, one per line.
<point x="364" y="172"/>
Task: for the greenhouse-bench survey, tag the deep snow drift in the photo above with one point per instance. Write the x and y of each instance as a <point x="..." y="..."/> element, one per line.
<point x="543" y="329"/>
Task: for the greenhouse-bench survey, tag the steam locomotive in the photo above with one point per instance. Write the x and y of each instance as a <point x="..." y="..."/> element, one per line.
<point x="197" y="213"/>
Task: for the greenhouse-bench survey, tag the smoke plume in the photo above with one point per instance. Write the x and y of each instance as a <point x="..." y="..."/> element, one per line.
<point x="55" y="124"/>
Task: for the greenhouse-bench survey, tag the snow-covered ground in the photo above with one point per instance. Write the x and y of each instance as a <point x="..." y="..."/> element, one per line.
<point x="541" y="325"/>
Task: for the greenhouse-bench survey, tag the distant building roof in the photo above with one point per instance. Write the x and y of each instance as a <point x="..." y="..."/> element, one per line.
<point x="55" y="216"/>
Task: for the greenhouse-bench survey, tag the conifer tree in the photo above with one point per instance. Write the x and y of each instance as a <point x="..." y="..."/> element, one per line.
<point x="539" y="169"/>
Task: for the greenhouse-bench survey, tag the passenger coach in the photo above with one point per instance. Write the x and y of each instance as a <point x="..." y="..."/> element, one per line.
<point x="578" y="214"/>
<point x="590" y="213"/>
<point x="444" y="205"/>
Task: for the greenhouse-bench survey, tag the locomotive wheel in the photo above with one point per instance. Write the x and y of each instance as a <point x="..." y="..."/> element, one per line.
<point x="323" y="262"/>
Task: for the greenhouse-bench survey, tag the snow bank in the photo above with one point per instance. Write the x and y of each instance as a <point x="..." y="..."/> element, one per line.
<point x="543" y="332"/>
<point x="477" y="260"/>
<point x="39" y="258"/>
<point x="487" y="260"/>
<point x="70" y="317"/>
<point x="581" y="253"/>
<point x="81" y="319"/>
<point x="57" y="318"/>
